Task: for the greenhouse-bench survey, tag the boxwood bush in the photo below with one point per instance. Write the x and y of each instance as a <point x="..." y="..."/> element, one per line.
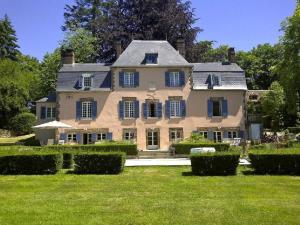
<point x="68" y="160"/>
<point x="219" y="163"/>
<point x="283" y="161"/>
<point x="185" y="148"/>
<point x="99" y="163"/>
<point x="30" y="163"/>
<point x="129" y="149"/>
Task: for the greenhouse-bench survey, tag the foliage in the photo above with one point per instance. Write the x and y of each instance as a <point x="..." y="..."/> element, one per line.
<point x="68" y="160"/>
<point x="132" y="19"/>
<point x="294" y="130"/>
<point x="30" y="164"/>
<point x="99" y="163"/>
<point x="8" y="40"/>
<point x="196" y="138"/>
<point x="22" y="123"/>
<point x="276" y="161"/>
<point x="185" y="148"/>
<point x="273" y="103"/>
<point x="214" y="163"/>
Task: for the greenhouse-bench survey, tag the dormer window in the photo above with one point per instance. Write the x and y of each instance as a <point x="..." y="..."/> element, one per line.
<point x="151" y="58"/>
<point x="86" y="80"/>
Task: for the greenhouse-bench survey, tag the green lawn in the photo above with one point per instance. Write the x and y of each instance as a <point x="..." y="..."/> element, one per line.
<point x="12" y="140"/>
<point x="149" y="195"/>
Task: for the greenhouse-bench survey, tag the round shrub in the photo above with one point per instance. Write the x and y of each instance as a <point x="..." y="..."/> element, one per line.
<point x="22" y="123"/>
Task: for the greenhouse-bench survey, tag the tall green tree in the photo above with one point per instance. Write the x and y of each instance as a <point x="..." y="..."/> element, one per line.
<point x="125" y="20"/>
<point x="8" y="40"/>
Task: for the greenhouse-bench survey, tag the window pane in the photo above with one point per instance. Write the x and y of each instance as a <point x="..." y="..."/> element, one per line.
<point x="216" y="108"/>
<point x="86" y="110"/>
<point x="174" y="79"/>
<point x="129" y="109"/>
<point x="152" y="109"/>
<point x="87" y="81"/>
<point x="129" y="79"/>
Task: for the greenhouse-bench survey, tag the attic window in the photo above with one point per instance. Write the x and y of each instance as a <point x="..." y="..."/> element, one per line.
<point x="151" y="58"/>
<point x="86" y="80"/>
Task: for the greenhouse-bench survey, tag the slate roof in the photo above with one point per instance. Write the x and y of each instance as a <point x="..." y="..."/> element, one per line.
<point x="231" y="76"/>
<point x="49" y="98"/>
<point x="69" y="76"/>
<point x="134" y="55"/>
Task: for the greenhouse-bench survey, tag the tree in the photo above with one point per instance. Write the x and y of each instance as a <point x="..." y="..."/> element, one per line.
<point x="125" y="20"/>
<point x="8" y="40"/>
<point x="22" y="123"/>
<point x="273" y="103"/>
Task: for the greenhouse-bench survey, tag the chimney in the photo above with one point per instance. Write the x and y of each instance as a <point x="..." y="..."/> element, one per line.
<point x="67" y="56"/>
<point x="181" y="46"/>
<point x="118" y="48"/>
<point x="231" y="55"/>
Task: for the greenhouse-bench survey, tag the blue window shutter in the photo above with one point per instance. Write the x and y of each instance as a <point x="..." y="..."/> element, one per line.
<point x="94" y="137"/>
<point x="109" y="136"/>
<point x="224" y="108"/>
<point x="43" y="112"/>
<point x="181" y="78"/>
<point x="78" y="110"/>
<point x="145" y="110"/>
<point x="78" y="138"/>
<point x="210" y="135"/>
<point x="62" y="136"/>
<point x="241" y="134"/>
<point x="121" y="109"/>
<point x="136" y="109"/>
<point x="168" y="108"/>
<point x="209" y="108"/>
<point x="94" y="110"/>
<point x="167" y="79"/>
<point x="225" y="134"/>
<point x="121" y="79"/>
<point x="136" y="79"/>
<point x="182" y="108"/>
<point x="159" y="109"/>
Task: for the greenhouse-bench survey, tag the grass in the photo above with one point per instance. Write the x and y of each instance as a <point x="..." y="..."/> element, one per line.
<point x="13" y="140"/>
<point x="149" y="195"/>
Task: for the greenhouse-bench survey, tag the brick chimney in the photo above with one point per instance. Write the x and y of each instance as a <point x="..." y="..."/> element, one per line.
<point x="67" y="56"/>
<point x="231" y="55"/>
<point x="180" y="45"/>
<point x="118" y="48"/>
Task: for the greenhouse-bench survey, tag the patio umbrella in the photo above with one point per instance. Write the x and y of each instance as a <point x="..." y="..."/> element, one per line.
<point x="52" y="125"/>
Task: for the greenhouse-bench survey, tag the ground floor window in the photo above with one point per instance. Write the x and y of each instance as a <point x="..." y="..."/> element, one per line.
<point x="50" y="112"/>
<point x="101" y="136"/>
<point x="217" y="136"/>
<point x="129" y="134"/>
<point x="203" y="133"/>
<point x="72" y="137"/>
<point x="232" y="134"/>
<point x="176" y="134"/>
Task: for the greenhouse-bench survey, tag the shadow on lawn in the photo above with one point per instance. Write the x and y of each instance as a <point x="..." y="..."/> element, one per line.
<point x="191" y="174"/>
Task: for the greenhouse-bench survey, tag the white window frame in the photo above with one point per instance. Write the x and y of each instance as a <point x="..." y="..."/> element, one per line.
<point x="52" y="112"/>
<point x="101" y="136"/>
<point x="174" y="79"/>
<point x="217" y="136"/>
<point x="129" y="79"/>
<point x="176" y="132"/>
<point x="129" y="135"/>
<point x="86" y="110"/>
<point x="72" y="137"/>
<point x="232" y="134"/>
<point x="84" y="77"/>
<point x="129" y="109"/>
<point x="203" y="133"/>
<point x="175" y="108"/>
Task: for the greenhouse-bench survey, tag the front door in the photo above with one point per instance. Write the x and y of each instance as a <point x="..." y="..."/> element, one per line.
<point x="87" y="138"/>
<point x="152" y="139"/>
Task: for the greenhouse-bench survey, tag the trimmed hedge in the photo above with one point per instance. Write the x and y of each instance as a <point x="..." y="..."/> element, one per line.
<point x="276" y="162"/>
<point x="294" y="130"/>
<point x="129" y="149"/>
<point x="68" y="160"/>
<point x="185" y="148"/>
<point x="99" y="163"/>
<point x="31" y="164"/>
<point x="214" y="163"/>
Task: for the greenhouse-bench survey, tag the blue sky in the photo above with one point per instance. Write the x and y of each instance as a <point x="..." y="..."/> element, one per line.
<point x="239" y="23"/>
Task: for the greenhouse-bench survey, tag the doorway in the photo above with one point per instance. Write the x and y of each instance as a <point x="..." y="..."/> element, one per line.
<point x="152" y="139"/>
<point x="87" y="138"/>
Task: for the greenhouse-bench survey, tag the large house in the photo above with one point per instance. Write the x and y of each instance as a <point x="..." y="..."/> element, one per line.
<point x="150" y="95"/>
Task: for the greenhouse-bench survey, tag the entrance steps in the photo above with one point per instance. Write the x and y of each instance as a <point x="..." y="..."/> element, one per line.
<point x="155" y="154"/>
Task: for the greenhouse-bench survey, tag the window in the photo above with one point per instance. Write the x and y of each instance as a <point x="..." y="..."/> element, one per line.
<point x="129" y="135"/>
<point x="50" y="112"/>
<point x="175" y="108"/>
<point x="129" y="109"/>
<point x="151" y="109"/>
<point x="86" y="112"/>
<point x="174" y="79"/>
<point x="71" y="137"/>
<point x="86" y="80"/>
<point x="232" y="134"/>
<point x="151" y="58"/>
<point x="129" y="79"/>
<point x="176" y="134"/>
<point x="203" y="133"/>
<point x="101" y="136"/>
<point x="216" y="107"/>
<point x="217" y="136"/>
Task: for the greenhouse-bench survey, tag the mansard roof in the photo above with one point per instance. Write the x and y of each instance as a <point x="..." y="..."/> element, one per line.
<point x="134" y="55"/>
